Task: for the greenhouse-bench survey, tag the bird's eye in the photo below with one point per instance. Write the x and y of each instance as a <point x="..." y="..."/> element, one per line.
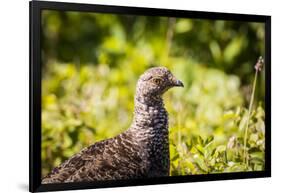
<point x="157" y="80"/>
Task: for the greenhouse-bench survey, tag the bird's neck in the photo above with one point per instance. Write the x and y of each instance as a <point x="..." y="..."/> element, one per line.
<point x="150" y="118"/>
<point x="150" y="131"/>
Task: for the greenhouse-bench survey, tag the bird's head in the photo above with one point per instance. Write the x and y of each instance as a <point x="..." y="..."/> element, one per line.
<point x="154" y="82"/>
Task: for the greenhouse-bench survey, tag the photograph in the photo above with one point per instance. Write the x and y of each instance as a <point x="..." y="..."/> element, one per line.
<point x="127" y="96"/>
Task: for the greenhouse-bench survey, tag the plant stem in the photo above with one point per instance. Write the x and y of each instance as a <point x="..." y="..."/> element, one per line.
<point x="245" y="160"/>
<point x="169" y="37"/>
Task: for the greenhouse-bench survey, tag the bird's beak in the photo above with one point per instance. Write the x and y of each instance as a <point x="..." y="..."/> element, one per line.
<point x="177" y="82"/>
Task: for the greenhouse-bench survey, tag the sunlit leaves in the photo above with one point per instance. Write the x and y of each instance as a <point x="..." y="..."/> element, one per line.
<point x="201" y="156"/>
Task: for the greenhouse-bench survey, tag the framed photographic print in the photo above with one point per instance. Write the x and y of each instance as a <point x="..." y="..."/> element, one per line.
<point x="124" y="96"/>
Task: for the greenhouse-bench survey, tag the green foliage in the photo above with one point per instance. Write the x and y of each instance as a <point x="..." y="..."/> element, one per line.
<point x="89" y="80"/>
<point x="197" y="155"/>
<point x="83" y="38"/>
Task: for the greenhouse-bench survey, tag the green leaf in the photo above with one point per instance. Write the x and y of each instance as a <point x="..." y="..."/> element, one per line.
<point x="200" y="150"/>
<point x="213" y="151"/>
<point x="209" y="140"/>
<point x="200" y="140"/>
<point x="233" y="49"/>
<point x="175" y="157"/>
<point x="201" y="167"/>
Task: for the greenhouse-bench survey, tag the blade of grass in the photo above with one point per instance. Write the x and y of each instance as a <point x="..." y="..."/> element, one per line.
<point x="258" y="68"/>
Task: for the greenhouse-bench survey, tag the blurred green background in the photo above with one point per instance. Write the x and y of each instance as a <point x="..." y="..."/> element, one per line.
<point x="91" y="63"/>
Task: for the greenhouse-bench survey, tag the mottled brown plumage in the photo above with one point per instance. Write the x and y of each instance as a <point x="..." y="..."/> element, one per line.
<point x="139" y="152"/>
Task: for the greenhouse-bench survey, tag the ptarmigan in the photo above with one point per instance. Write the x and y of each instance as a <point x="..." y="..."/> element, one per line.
<point x="141" y="151"/>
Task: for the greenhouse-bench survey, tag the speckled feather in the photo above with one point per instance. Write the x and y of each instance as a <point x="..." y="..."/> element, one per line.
<point x="141" y="151"/>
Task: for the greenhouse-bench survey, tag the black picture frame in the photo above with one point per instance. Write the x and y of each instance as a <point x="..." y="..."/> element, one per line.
<point x="35" y="8"/>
